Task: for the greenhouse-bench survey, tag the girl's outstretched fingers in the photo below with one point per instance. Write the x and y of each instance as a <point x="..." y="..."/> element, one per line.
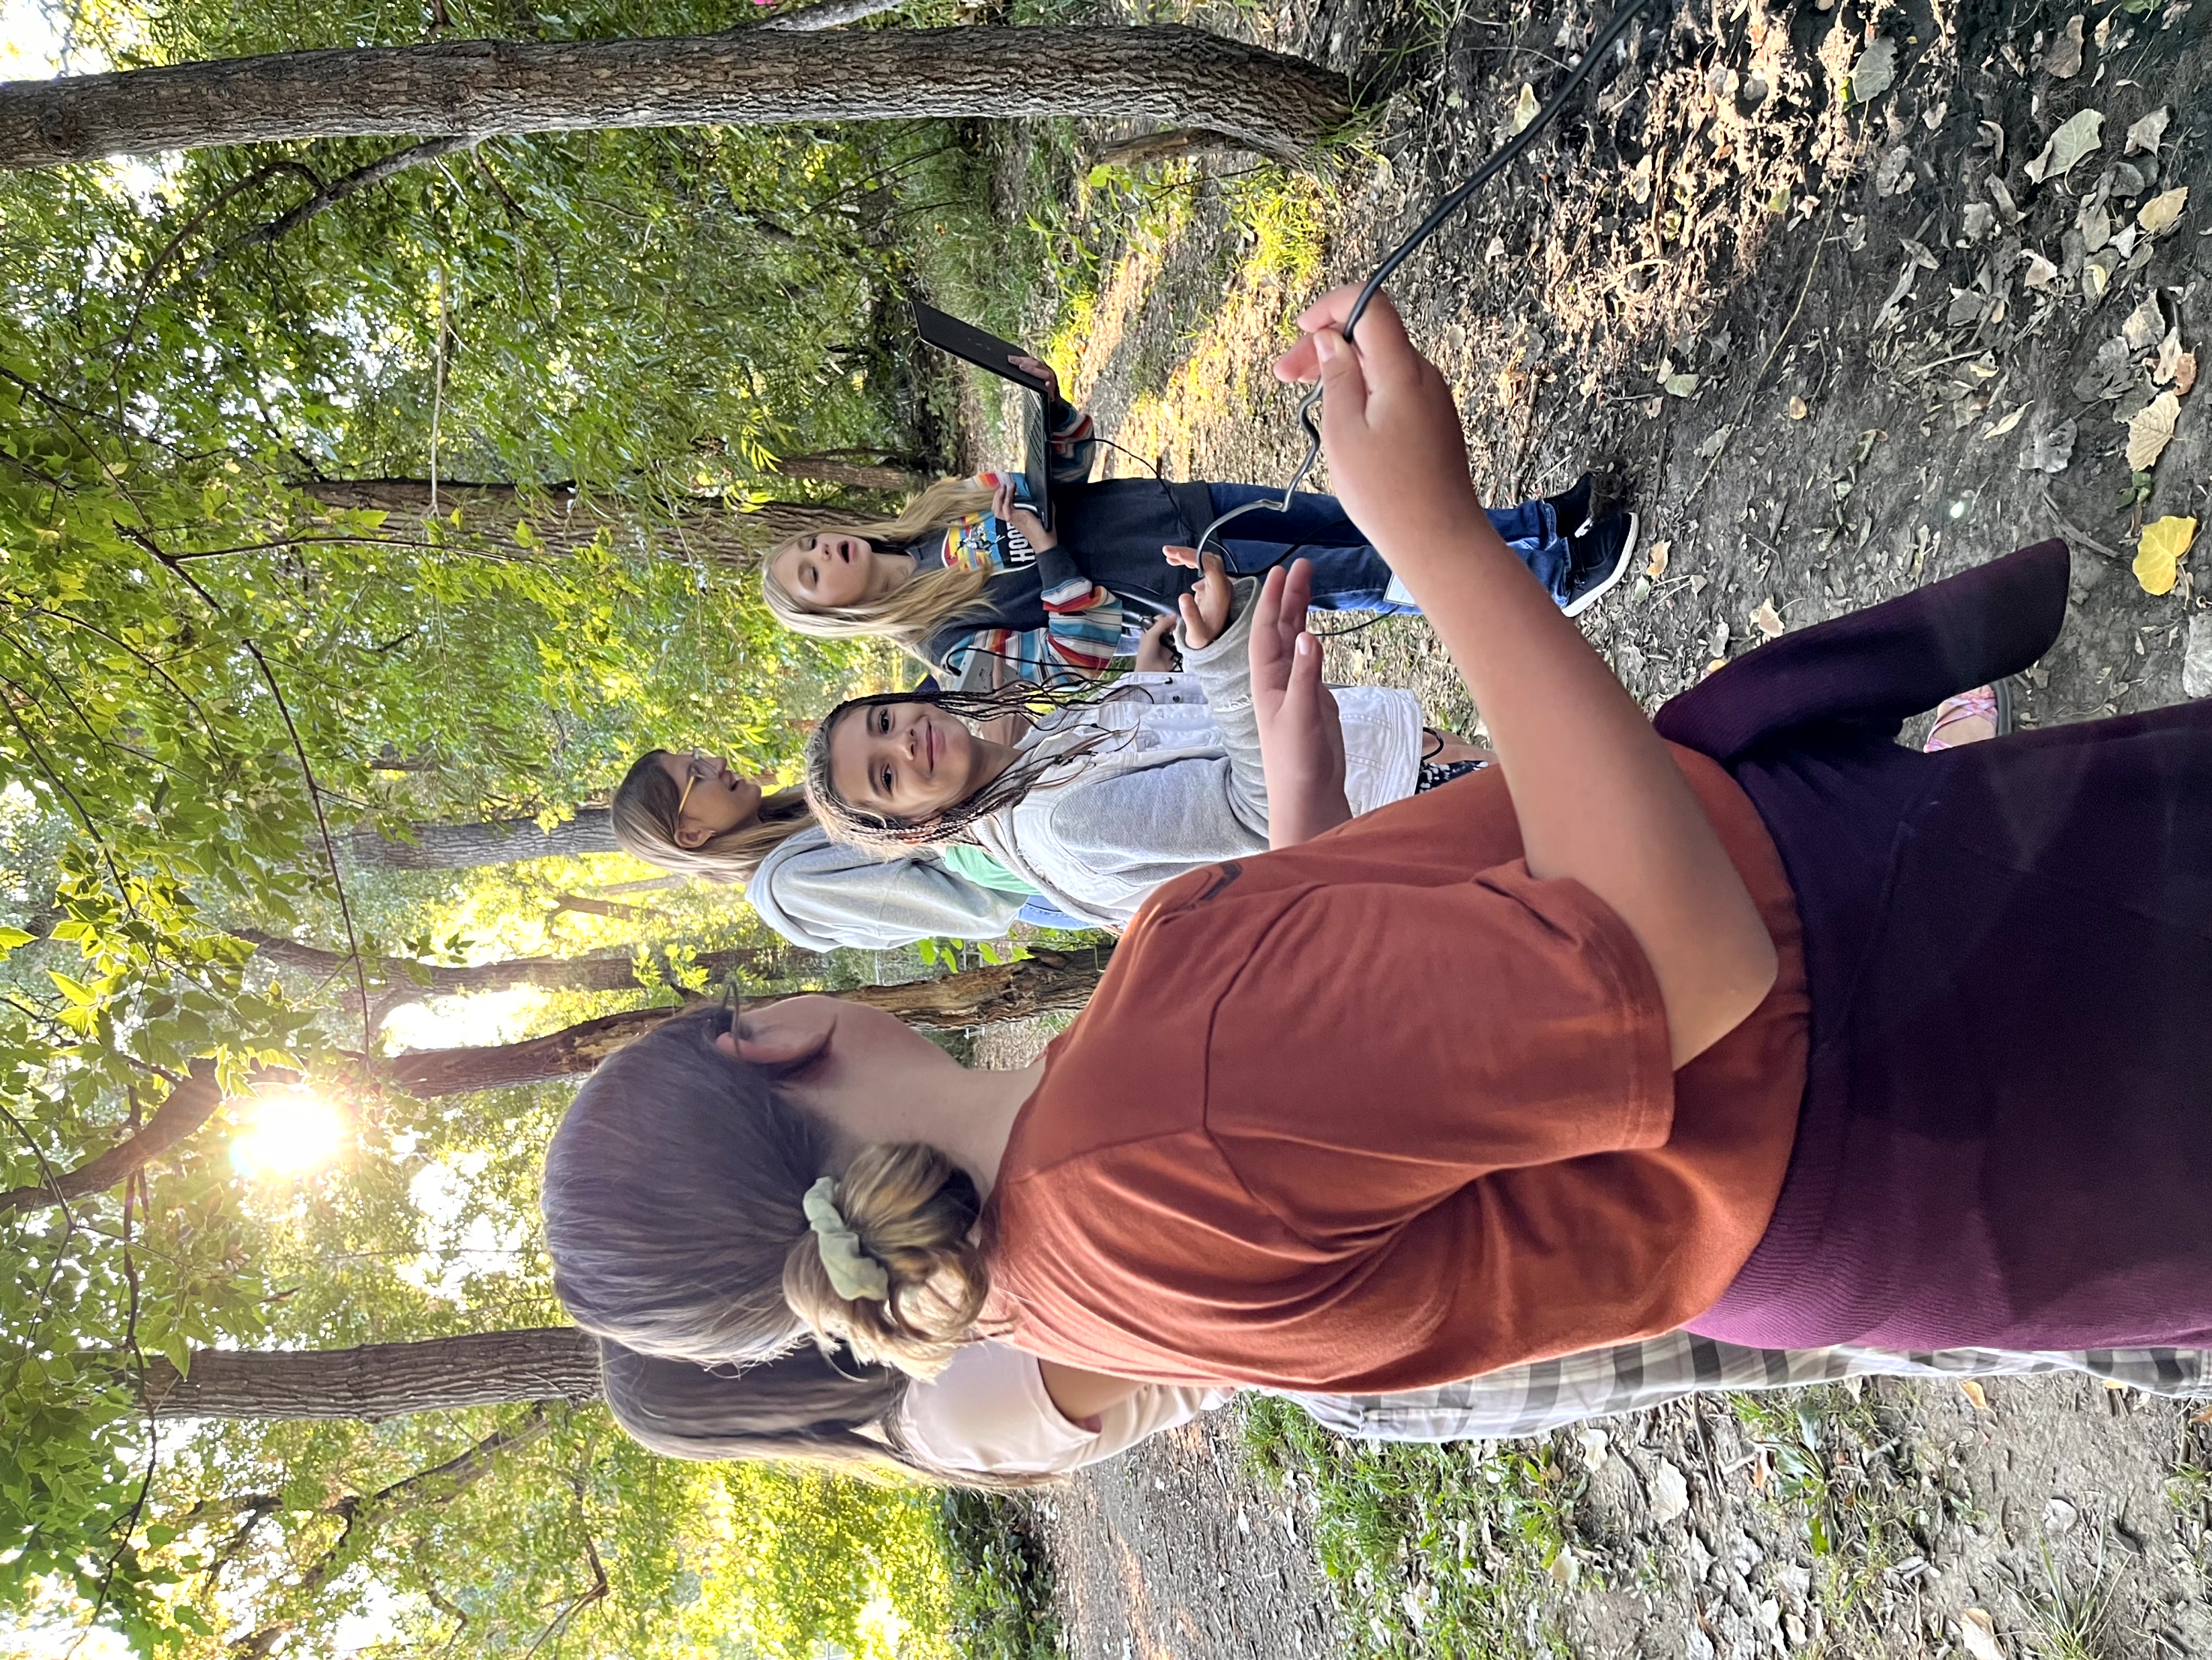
<point x="1176" y="554"/>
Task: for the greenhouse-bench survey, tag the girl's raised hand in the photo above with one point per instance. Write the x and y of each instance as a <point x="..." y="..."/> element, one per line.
<point x="1205" y="607"/>
<point x="1301" y="736"/>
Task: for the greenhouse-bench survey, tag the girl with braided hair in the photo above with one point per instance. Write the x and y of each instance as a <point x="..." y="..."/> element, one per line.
<point x="1095" y="797"/>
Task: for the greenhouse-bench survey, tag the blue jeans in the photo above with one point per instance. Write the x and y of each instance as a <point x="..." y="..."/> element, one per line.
<point x="1348" y="574"/>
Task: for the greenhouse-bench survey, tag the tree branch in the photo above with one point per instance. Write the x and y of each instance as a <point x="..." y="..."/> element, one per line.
<point x="356" y="1509"/>
<point x="190" y="1105"/>
<point x="329" y="196"/>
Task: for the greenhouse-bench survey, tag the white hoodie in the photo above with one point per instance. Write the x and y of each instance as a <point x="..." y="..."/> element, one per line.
<point x="1179" y="785"/>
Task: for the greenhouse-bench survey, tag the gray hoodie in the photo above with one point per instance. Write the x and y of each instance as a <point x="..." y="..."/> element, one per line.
<point x="819" y="894"/>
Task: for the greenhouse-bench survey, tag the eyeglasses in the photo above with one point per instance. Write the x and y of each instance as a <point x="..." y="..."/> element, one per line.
<point x="692" y="775"/>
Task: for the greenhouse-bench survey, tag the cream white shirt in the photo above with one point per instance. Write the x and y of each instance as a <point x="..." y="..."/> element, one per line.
<point x="988" y="1411"/>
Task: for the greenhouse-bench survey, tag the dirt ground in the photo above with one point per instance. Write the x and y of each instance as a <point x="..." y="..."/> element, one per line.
<point x="1830" y="350"/>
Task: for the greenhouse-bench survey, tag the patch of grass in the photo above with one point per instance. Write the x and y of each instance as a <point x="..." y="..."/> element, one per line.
<point x="1430" y="1549"/>
<point x="1864" y="1502"/>
<point x="1280" y="215"/>
<point x="2073" y="1621"/>
<point x="1002" y="1606"/>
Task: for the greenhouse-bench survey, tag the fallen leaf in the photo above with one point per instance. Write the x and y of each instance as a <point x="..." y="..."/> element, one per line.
<point x="1799" y="409"/>
<point x="1656" y="567"/>
<point x="1897" y="293"/>
<point x="2159" y="554"/>
<point x="2146" y="133"/>
<point x="2144" y="325"/>
<point x="1999" y="192"/>
<point x="2095" y="225"/>
<point x="2169" y="358"/>
<point x="1974" y="1392"/>
<point x="2127" y="179"/>
<point x="1990" y="133"/>
<point x="1977" y="1635"/>
<point x="2075" y="138"/>
<point x="2063" y="61"/>
<point x="2039" y="270"/>
<point x="2163" y="211"/>
<point x="1670" y="1492"/>
<point x="2205" y="1416"/>
<point x="1875" y="72"/>
<point x="1524" y="109"/>
<point x="1894" y="176"/>
<point x="1919" y="253"/>
<point x="1980" y="220"/>
<point x="2151" y="430"/>
<point x="2049" y="451"/>
<point x="1680" y="386"/>
<point x="2185" y="373"/>
<point x="1768" y="623"/>
<point x="1999" y="429"/>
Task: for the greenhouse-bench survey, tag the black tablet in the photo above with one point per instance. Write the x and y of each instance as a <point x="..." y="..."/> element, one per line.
<point x="989" y="353"/>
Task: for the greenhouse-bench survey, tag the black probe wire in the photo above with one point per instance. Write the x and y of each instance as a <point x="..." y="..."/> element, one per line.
<point x="1504" y="158"/>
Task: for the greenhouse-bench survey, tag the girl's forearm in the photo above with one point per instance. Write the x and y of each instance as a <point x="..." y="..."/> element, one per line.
<point x="1599" y="799"/>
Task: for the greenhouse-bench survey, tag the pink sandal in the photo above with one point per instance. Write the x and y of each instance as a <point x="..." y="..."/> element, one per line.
<point x="1992" y="703"/>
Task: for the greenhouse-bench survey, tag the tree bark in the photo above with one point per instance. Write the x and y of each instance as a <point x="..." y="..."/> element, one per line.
<point x="599" y="971"/>
<point x="501" y="842"/>
<point x="1006" y="991"/>
<point x="380" y="1380"/>
<point x="559" y="522"/>
<point x="1145" y="147"/>
<point x="829" y="469"/>
<point x="480" y="89"/>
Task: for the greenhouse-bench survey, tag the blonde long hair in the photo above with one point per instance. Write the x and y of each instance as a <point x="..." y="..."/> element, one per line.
<point x="644" y="815"/>
<point x="912" y="611"/>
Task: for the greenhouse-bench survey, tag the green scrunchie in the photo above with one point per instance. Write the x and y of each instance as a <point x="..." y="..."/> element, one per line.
<point x="853" y="1273"/>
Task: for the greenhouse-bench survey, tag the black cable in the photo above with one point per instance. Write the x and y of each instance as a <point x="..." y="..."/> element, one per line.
<point x="1505" y="156"/>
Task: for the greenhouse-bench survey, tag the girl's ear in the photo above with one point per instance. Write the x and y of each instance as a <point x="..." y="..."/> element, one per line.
<point x="775" y="1048"/>
<point x="690" y="836"/>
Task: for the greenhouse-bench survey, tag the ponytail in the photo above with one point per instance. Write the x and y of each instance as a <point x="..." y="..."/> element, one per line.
<point x="912" y="1212"/>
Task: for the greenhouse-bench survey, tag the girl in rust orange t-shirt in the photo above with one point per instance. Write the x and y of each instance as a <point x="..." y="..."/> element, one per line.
<point x="1615" y="1037"/>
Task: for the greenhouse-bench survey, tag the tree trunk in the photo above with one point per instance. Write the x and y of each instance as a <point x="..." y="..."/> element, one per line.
<point x="1006" y="991"/>
<point x="502" y="841"/>
<point x="381" y="1380"/>
<point x="600" y="971"/>
<point x="559" y="522"/>
<point x="481" y="88"/>
<point x="831" y="469"/>
<point x="1147" y="147"/>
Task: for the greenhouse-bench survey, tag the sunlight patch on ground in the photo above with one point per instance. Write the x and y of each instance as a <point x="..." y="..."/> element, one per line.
<point x="1217" y="382"/>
